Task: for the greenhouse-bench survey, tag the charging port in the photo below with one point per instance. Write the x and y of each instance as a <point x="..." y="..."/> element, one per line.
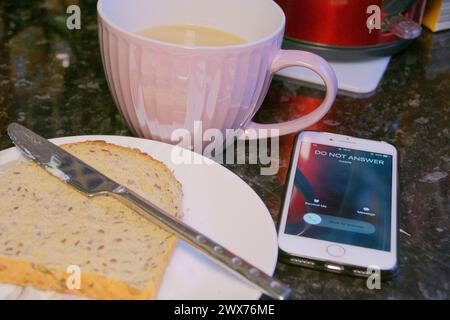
<point x="334" y="267"/>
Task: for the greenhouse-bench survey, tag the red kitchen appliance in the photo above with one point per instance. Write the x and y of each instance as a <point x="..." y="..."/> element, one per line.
<point x="352" y="29"/>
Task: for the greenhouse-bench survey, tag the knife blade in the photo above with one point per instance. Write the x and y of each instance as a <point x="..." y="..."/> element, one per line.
<point x="91" y="182"/>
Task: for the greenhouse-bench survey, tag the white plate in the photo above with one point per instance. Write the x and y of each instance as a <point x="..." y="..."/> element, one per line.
<point x="218" y="204"/>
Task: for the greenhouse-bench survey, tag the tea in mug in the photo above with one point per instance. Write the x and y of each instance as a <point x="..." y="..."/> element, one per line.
<point x="191" y="35"/>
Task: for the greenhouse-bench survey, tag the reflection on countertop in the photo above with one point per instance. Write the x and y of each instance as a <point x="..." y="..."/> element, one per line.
<point x="52" y="81"/>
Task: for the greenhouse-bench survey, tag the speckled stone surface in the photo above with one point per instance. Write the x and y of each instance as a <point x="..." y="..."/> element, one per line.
<point x="410" y="109"/>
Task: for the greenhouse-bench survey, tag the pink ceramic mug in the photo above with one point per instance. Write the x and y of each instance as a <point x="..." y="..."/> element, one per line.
<point x="160" y="87"/>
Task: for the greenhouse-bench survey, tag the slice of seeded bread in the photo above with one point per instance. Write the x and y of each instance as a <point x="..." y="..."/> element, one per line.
<point x="47" y="226"/>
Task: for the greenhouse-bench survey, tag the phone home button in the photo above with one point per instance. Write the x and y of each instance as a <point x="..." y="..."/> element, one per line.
<point x="335" y="251"/>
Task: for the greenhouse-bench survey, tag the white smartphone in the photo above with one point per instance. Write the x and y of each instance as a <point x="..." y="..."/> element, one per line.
<point x="340" y="207"/>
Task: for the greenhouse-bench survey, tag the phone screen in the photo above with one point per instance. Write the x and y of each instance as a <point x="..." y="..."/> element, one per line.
<point x="342" y="195"/>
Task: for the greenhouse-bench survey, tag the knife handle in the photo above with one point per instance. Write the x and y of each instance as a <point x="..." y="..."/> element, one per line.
<point x="269" y="285"/>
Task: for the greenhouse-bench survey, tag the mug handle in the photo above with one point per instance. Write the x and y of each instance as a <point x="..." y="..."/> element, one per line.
<point x="297" y="58"/>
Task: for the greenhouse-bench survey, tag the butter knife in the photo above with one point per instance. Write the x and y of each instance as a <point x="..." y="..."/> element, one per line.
<point x="91" y="182"/>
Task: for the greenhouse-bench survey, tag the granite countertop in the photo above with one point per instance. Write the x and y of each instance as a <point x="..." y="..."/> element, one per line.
<point x="52" y="81"/>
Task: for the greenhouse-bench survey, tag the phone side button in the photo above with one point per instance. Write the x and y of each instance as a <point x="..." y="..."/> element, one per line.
<point x="335" y="250"/>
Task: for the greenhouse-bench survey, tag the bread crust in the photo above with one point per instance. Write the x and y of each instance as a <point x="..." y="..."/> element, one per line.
<point x="18" y="271"/>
